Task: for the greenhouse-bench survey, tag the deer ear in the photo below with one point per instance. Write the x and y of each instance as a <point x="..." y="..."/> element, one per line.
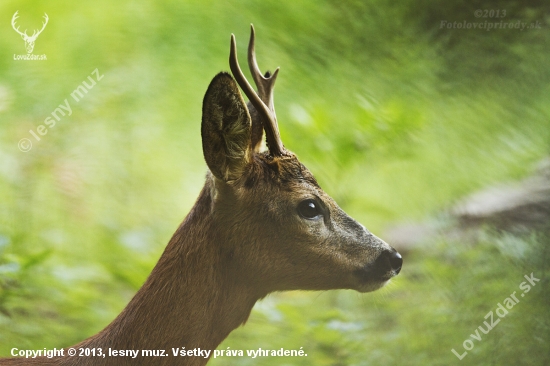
<point x="226" y="128"/>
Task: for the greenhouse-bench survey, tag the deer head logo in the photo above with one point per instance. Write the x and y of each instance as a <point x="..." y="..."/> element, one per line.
<point x="29" y="40"/>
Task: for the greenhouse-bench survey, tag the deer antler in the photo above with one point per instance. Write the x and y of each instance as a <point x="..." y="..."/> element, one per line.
<point x="36" y="33"/>
<point x="13" y="19"/>
<point x="263" y="100"/>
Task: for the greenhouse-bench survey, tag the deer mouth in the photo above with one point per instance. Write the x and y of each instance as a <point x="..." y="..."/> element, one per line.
<point x="369" y="281"/>
<point x="377" y="274"/>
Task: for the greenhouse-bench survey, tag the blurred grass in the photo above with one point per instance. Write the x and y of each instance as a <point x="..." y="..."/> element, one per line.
<point x="442" y="298"/>
<point x="396" y="117"/>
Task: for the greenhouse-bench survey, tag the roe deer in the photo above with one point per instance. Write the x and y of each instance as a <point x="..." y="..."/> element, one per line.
<point x="260" y="224"/>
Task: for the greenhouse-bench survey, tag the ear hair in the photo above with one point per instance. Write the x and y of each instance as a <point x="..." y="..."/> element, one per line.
<point x="225" y="129"/>
<point x="257" y="128"/>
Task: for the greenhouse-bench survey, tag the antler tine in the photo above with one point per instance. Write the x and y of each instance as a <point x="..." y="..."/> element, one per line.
<point x="265" y="84"/>
<point x="269" y="120"/>
<point x="13" y="19"/>
<point x="44" y="23"/>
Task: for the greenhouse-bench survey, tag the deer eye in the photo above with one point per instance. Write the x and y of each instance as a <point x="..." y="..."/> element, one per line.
<point x="309" y="209"/>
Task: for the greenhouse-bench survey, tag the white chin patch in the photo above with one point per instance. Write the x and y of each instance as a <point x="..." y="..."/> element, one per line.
<point x="372" y="286"/>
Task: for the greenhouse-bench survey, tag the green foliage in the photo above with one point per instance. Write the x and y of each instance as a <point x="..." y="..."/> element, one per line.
<point x="396" y="117"/>
<point x="443" y="298"/>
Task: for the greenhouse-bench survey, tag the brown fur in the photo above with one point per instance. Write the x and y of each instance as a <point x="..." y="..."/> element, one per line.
<point x="243" y="239"/>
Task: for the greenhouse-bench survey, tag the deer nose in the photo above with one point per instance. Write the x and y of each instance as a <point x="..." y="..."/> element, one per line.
<point x="396" y="261"/>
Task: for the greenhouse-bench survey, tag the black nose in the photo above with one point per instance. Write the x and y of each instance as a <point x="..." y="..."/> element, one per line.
<point x="396" y="261"/>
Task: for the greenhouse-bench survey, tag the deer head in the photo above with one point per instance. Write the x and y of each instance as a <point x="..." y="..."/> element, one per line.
<point x="29" y="40"/>
<point x="282" y="229"/>
<point x="261" y="224"/>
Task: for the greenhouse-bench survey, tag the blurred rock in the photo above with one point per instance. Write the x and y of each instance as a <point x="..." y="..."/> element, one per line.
<point x="519" y="207"/>
<point x="525" y="205"/>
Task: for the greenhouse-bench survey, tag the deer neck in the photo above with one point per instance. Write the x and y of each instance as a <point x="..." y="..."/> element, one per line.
<point x="193" y="297"/>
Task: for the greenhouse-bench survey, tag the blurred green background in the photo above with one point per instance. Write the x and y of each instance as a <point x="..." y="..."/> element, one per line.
<point x="397" y="117"/>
